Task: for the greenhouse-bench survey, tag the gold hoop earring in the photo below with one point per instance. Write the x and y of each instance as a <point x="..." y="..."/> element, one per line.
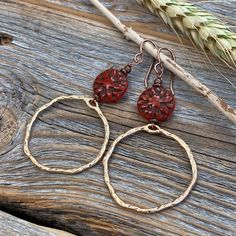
<point x="91" y="103"/>
<point x="153" y="129"/>
<point x="155" y="104"/>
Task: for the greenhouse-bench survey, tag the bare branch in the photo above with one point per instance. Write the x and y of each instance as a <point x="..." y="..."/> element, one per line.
<point x="130" y="34"/>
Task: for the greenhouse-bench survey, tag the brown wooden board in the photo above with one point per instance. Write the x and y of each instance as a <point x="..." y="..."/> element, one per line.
<point x="58" y="48"/>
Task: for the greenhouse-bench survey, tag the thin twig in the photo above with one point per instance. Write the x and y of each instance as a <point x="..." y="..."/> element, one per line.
<point x="130" y="34"/>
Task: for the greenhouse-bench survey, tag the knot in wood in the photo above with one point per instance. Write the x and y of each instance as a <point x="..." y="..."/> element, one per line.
<point x="8" y="124"/>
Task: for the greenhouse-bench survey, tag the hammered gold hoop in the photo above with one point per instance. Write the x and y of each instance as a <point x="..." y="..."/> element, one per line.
<point x="91" y="103"/>
<point x="153" y="129"/>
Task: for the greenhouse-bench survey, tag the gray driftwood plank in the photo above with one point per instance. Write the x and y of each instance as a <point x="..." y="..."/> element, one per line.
<point x="13" y="226"/>
<point x="58" y="48"/>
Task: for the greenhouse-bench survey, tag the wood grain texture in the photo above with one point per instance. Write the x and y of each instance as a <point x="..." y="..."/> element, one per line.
<point x="12" y="226"/>
<point x="58" y="48"/>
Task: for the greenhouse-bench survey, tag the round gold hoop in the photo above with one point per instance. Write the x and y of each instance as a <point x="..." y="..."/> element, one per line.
<point x="153" y="129"/>
<point x="90" y="103"/>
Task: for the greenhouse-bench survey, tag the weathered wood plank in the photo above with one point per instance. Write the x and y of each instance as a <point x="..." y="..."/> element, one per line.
<point x="58" y="48"/>
<point x="13" y="226"/>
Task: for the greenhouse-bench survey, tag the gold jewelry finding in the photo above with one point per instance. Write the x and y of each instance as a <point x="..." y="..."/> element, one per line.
<point x="92" y="103"/>
<point x="153" y="129"/>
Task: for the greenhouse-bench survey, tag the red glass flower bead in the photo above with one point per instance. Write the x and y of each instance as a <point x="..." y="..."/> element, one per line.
<point x="156" y="104"/>
<point x="110" y="86"/>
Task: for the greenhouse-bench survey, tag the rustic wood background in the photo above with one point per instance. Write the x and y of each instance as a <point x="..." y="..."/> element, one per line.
<point x="11" y="225"/>
<point x="58" y="47"/>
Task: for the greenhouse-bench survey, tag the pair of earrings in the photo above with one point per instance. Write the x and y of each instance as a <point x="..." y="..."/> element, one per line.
<point x="155" y="104"/>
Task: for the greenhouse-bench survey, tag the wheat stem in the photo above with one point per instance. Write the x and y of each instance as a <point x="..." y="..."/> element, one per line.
<point x="205" y="30"/>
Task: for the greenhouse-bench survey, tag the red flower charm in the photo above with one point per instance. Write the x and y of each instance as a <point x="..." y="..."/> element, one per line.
<point x="156" y="104"/>
<point x="110" y="86"/>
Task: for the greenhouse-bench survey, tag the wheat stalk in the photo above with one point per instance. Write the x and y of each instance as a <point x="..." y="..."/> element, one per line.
<point x="205" y="30"/>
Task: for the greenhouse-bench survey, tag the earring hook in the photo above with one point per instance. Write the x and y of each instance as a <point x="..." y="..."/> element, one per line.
<point x="149" y="72"/>
<point x="159" y="71"/>
<point x="138" y="58"/>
